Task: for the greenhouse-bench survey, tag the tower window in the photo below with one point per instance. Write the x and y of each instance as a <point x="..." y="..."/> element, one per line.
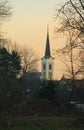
<point x="50" y="73"/>
<point x="44" y="66"/>
<point x="50" y="67"/>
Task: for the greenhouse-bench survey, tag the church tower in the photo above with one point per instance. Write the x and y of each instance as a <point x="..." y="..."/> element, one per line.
<point x="47" y="61"/>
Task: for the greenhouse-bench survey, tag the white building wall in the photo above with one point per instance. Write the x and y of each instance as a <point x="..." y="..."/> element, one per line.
<point x="47" y="73"/>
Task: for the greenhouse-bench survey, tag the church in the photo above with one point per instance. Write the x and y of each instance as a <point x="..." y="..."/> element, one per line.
<point x="35" y="79"/>
<point x="47" y="62"/>
<point x="47" y="70"/>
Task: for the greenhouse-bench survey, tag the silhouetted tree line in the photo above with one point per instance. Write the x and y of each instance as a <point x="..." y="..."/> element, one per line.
<point x="60" y="94"/>
<point x="70" y="16"/>
<point x="47" y="90"/>
<point x="10" y="88"/>
<point x="12" y="64"/>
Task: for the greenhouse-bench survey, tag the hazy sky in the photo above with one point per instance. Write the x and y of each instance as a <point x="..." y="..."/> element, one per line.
<point x="29" y="22"/>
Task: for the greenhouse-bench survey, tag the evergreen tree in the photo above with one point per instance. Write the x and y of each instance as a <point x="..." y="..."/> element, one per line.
<point x="14" y="64"/>
<point x="4" y="61"/>
<point x="9" y="63"/>
<point x="10" y="88"/>
<point x="47" y="91"/>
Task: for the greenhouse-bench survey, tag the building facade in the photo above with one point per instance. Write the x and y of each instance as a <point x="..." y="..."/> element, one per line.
<point x="47" y="62"/>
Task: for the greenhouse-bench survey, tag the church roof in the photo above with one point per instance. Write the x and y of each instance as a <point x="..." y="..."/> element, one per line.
<point x="47" y="50"/>
<point x="63" y="85"/>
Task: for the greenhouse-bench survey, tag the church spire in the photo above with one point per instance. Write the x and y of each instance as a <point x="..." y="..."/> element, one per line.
<point x="47" y="50"/>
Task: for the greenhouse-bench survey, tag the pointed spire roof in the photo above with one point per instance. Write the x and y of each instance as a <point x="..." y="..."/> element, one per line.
<point x="47" y="50"/>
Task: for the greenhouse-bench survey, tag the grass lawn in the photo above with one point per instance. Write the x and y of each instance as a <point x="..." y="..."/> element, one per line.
<point x="45" y="123"/>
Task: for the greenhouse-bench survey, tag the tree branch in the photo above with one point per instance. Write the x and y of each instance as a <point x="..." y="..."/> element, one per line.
<point x="76" y="10"/>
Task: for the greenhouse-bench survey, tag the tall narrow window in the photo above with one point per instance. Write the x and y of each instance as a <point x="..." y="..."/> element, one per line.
<point x="50" y="67"/>
<point x="44" y="66"/>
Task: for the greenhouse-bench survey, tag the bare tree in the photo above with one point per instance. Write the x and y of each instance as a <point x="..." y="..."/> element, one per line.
<point x="5" y="12"/>
<point x="71" y="17"/>
<point x="72" y="58"/>
<point x="5" y="9"/>
<point x="29" y="59"/>
<point x="71" y="20"/>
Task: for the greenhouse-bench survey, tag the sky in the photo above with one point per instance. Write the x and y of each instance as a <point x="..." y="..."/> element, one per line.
<point x="28" y="25"/>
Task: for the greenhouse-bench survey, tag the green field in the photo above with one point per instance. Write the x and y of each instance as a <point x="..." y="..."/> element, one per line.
<point x="45" y="123"/>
